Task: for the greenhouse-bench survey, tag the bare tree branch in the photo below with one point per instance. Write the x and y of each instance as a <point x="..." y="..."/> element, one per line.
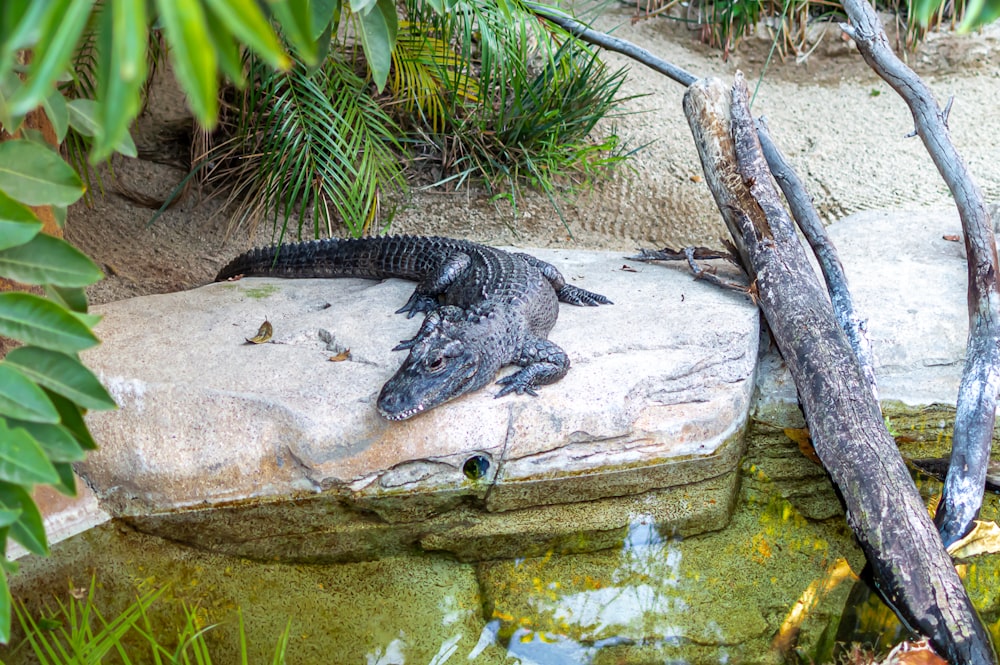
<point x="605" y="40"/>
<point x="977" y="394"/>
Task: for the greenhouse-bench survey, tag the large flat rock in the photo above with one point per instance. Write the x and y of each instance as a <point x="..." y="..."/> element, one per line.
<point x="657" y="397"/>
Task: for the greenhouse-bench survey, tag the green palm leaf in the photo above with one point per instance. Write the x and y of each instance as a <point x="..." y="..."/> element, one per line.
<point x="311" y="144"/>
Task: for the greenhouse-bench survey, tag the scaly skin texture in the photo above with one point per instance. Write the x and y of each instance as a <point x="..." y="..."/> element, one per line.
<point x="485" y="307"/>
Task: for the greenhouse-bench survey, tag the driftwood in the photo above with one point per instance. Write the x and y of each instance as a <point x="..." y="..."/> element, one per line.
<point x="835" y="382"/>
<point x="800" y="203"/>
<point x="910" y="564"/>
<point x="977" y="394"/>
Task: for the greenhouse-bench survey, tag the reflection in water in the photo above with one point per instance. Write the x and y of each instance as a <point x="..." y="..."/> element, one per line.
<point x="644" y="598"/>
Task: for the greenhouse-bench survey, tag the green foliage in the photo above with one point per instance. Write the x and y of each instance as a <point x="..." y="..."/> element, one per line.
<point x="75" y="632"/>
<point x="199" y="34"/>
<point x="724" y="22"/>
<point x="486" y="89"/>
<point x="974" y="13"/>
<point x="309" y="142"/>
<point x="44" y="388"/>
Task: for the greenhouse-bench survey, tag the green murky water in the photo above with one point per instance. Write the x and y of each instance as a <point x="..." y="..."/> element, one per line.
<point x="774" y="586"/>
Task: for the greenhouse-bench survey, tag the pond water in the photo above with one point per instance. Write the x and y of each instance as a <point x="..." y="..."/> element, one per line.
<point x="772" y="587"/>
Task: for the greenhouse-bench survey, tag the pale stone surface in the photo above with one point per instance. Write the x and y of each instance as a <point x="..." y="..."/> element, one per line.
<point x="657" y="396"/>
<point x="64" y="516"/>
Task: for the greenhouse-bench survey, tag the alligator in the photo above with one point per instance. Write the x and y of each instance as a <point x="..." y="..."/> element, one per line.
<point x="485" y="308"/>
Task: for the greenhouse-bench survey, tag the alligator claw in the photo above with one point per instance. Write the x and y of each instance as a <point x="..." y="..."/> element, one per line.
<point x="574" y="295"/>
<point x="405" y="344"/>
<point x="417" y="304"/>
<point x="513" y="384"/>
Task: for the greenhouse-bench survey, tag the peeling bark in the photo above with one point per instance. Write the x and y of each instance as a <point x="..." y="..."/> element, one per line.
<point x="911" y="567"/>
<point x="800" y="203"/>
<point x="977" y="394"/>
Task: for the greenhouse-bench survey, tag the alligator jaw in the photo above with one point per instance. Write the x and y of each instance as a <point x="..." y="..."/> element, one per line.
<point x="401" y="415"/>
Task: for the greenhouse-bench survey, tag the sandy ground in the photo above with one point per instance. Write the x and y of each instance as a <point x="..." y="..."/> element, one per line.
<point x="843" y="129"/>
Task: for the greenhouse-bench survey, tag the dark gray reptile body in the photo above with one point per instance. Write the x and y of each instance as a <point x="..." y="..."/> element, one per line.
<point x="486" y="308"/>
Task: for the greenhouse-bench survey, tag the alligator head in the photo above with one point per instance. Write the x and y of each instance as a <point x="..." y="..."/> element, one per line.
<point x="445" y="361"/>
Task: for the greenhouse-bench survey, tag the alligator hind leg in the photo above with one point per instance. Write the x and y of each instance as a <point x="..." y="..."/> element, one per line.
<point x="567" y="293"/>
<point x="425" y="296"/>
<point x="541" y="362"/>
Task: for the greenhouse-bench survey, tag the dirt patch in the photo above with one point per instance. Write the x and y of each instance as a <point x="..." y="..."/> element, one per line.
<point x="843" y="129"/>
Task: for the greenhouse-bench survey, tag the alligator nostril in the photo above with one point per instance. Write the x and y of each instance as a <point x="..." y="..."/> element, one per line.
<point x="476" y="467"/>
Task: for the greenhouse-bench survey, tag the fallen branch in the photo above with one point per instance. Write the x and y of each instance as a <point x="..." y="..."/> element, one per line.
<point x="975" y="413"/>
<point x="913" y="571"/>
<point x="911" y="568"/>
<point x="800" y="203"/>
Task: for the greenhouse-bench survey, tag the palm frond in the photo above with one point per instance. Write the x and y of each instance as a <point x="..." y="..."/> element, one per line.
<point x="311" y="144"/>
<point x="428" y="76"/>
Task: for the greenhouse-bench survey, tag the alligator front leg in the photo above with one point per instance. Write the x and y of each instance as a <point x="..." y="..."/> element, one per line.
<point x="542" y="362"/>
<point x="425" y="296"/>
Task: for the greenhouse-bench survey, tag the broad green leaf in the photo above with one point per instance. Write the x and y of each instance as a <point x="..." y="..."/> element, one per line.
<point x="36" y="320"/>
<point x="9" y="84"/>
<point x="73" y="299"/>
<point x="89" y="320"/>
<point x="126" y="145"/>
<point x="21" y="22"/>
<point x="57" y="441"/>
<point x="324" y="12"/>
<point x="388" y="9"/>
<point x="63" y="25"/>
<point x="48" y="260"/>
<point x="83" y="116"/>
<point x="29" y="530"/>
<point x="247" y="23"/>
<point x="72" y="419"/>
<point x="33" y="174"/>
<point x="8" y="566"/>
<point x="361" y="6"/>
<point x="67" y="479"/>
<point x="295" y="18"/>
<point x="195" y="62"/>
<point x="230" y="60"/>
<point x="20" y="397"/>
<point x="22" y="460"/>
<point x="18" y="224"/>
<point x="8" y="517"/>
<point x="377" y="37"/>
<point x="57" y="113"/>
<point x="62" y="374"/>
<point x="121" y="72"/>
<point x="978" y="13"/>
<point x="59" y="212"/>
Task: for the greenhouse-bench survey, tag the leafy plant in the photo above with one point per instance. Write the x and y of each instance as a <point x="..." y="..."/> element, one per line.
<point x="477" y="89"/>
<point x="724" y="22"/>
<point x="308" y="142"/>
<point x="44" y="388"/>
<point x="75" y="632"/>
